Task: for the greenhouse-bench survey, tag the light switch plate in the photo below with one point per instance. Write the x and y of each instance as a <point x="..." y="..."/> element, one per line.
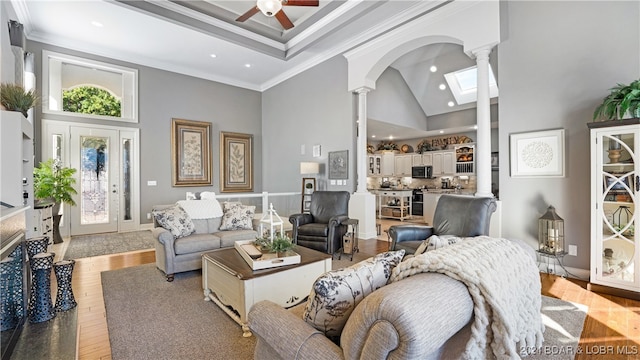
<point x="573" y="250"/>
<point x="152" y="183"/>
<point x="332" y="182"/>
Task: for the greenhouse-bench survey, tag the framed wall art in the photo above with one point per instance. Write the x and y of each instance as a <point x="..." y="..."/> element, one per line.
<point x="236" y="162"/>
<point x="537" y="154"/>
<point x="339" y="164"/>
<point x="190" y="152"/>
<point x="308" y="188"/>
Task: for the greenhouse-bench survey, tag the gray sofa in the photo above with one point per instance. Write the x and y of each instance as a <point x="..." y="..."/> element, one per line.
<point x="185" y="253"/>
<point x="426" y="316"/>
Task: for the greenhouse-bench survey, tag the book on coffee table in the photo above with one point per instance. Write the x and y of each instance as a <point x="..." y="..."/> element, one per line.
<point x="248" y="251"/>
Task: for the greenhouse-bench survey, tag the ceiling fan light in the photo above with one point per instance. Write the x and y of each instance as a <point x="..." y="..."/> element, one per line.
<point x="269" y="7"/>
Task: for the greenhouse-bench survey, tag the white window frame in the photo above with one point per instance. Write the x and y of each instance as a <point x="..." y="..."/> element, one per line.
<point x="129" y="100"/>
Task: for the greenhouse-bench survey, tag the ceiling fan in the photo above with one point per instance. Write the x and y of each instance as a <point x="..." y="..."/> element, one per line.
<point x="272" y="8"/>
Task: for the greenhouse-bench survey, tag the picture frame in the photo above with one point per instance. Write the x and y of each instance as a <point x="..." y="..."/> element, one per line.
<point x="537" y="154"/>
<point x="308" y="188"/>
<point x="494" y="161"/>
<point x="619" y="186"/>
<point x="236" y="162"/>
<point x="191" y="153"/>
<point x="339" y="164"/>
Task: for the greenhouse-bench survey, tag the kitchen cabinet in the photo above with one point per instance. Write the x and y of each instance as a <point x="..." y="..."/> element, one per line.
<point x="381" y="164"/>
<point x="443" y="162"/>
<point x="465" y="159"/>
<point x="388" y="164"/>
<point x="394" y="204"/>
<point x="416" y="160"/>
<point x="374" y="164"/>
<point x="403" y="165"/>
<point x="614" y="190"/>
<point x="427" y="159"/>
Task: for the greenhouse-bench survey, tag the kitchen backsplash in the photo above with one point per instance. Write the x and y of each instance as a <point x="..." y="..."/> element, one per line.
<point x="411" y="183"/>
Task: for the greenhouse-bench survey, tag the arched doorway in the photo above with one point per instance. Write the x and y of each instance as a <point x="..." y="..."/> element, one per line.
<point x="475" y="26"/>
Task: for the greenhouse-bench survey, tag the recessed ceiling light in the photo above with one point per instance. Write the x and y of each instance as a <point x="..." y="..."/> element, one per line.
<point x="442" y="87"/>
<point x="96" y="24"/>
<point x="441" y="131"/>
<point x="213" y="56"/>
<point x="247" y="65"/>
<point x="450" y="103"/>
<point x="390" y="137"/>
<point x="475" y="127"/>
<point x="433" y="68"/>
<point x="373" y="136"/>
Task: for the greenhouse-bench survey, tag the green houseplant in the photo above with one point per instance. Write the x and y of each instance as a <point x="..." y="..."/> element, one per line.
<point x="54" y="182"/>
<point x="13" y="97"/>
<point x="279" y="244"/>
<point x="622" y="98"/>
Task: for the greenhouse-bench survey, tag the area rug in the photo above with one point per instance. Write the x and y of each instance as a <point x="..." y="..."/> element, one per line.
<point x="150" y="318"/>
<point x="110" y="243"/>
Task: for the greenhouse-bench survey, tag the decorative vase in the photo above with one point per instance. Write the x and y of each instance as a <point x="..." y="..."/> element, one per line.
<point x="614" y="155"/>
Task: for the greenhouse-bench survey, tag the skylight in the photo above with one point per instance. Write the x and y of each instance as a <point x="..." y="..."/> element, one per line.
<point x="464" y="87"/>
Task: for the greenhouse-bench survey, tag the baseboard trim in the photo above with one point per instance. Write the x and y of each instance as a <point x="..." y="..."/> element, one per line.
<point x="628" y="294"/>
<point x="148" y="226"/>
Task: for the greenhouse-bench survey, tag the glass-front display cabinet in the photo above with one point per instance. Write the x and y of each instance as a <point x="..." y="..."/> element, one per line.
<point x="615" y="183"/>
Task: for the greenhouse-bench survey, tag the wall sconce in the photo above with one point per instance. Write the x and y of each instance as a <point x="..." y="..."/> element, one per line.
<point x="551" y="233"/>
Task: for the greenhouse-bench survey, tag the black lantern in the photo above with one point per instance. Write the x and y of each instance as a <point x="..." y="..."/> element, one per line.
<point x="621" y="217"/>
<point x="551" y="233"/>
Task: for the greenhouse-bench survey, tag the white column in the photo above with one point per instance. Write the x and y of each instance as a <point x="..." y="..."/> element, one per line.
<point x="483" y="142"/>
<point x="362" y="205"/>
<point x="361" y="152"/>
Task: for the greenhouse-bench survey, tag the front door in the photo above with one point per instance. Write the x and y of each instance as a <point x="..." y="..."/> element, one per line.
<point x="95" y="154"/>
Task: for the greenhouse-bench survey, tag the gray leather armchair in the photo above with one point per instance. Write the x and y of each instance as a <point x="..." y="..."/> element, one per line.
<point x="462" y="216"/>
<point x="321" y="228"/>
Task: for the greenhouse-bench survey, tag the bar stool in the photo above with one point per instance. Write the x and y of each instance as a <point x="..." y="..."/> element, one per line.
<point x="64" y="297"/>
<point x="40" y="305"/>
<point x="37" y="245"/>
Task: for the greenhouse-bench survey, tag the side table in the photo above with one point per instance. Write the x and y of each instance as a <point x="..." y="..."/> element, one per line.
<point x="546" y="258"/>
<point x="350" y="239"/>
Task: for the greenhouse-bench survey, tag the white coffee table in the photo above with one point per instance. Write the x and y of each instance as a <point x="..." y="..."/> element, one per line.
<point x="230" y="283"/>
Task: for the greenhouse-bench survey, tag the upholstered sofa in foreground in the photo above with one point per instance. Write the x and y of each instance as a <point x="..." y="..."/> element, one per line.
<point x="174" y="255"/>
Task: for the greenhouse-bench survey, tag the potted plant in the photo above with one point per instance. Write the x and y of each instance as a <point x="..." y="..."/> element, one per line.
<point x="13" y="97"/>
<point x="54" y="182"/>
<point x="621" y="99"/>
<point x="280" y="244"/>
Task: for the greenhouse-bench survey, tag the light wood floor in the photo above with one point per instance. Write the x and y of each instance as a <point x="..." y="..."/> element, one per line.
<point x="611" y="324"/>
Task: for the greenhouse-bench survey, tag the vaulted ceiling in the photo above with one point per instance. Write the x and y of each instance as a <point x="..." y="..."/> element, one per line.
<point x="203" y="38"/>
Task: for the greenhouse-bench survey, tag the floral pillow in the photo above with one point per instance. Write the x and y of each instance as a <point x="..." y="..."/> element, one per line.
<point x="435" y="242"/>
<point x="176" y="220"/>
<point x="237" y="216"/>
<point x="336" y="293"/>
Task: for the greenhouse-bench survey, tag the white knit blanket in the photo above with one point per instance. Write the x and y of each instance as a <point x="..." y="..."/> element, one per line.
<point x="202" y="209"/>
<point x="504" y="284"/>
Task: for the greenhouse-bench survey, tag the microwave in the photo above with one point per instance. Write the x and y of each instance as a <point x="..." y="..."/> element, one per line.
<point x="422" y="172"/>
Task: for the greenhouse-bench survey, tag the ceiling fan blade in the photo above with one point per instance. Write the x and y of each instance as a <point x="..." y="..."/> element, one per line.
<point x="301" y="3"/>
<point x="284" y="20"/>
<point x="244" y="17"/>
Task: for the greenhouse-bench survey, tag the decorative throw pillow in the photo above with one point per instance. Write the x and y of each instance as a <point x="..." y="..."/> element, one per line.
<point x="237" y="216"/>
<point x="435" y="242"/>
<point x="336" y="293"/>
<point x="176" y="220"/>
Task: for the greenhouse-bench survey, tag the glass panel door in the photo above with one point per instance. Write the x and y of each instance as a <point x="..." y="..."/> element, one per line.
<point x="95" y="154"/>
<point x="617" y="246"/>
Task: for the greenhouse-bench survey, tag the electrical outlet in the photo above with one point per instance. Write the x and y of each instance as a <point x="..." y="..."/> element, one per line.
<point x="148" y="216"/>
<point x="573" y="250"/>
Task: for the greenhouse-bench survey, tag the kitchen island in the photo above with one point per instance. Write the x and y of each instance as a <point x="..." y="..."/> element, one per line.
<point x="394" y="204"/>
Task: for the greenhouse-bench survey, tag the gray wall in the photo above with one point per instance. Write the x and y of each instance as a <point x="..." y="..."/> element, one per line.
<point x="556" y="64"/>
<point x="393" y="102"/>
<point x="165" y="95"/>
<point x="7" y="59"/>
<point x="312" y="108"/>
